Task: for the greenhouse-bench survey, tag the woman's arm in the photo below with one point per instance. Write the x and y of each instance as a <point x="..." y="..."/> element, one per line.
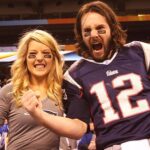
<point x="72" y="128"/>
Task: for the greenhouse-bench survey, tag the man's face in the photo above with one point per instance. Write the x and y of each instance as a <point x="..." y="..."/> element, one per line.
<point x="96" y="35"/>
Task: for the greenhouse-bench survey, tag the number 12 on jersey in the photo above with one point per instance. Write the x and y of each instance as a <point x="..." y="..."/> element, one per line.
<point x="123" y="98"/>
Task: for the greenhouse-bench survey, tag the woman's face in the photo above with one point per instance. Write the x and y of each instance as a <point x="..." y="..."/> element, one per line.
<point x="39" y="59"/>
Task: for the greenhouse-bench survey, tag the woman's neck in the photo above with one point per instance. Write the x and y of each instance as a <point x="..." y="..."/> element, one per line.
<point x="38" y="81"/>
<point x="40" y="87"/>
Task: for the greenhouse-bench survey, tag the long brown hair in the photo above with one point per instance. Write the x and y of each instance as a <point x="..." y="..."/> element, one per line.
<point x="118" y="34"/>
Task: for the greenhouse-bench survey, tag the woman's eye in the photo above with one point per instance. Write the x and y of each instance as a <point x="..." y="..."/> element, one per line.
<point x="32" y="55"/>
<point x="47" y="56"/>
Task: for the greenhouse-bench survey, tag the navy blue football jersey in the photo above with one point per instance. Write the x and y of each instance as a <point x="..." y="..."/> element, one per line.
<point x="115" y="94"/>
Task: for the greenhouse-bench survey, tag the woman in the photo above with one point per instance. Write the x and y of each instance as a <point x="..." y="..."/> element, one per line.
<point x="36" y="71"/>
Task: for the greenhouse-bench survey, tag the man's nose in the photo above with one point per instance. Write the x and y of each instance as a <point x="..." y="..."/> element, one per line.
<point x="94" y="33"/>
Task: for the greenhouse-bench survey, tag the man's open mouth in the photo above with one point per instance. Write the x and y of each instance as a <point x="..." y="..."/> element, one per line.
<point x="97" y="46"/>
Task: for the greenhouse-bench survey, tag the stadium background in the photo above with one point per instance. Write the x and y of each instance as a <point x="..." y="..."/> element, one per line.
<point x="58" y="17"/>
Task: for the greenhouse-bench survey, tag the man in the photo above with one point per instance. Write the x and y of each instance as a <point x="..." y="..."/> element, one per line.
<point x="110" y="84"/>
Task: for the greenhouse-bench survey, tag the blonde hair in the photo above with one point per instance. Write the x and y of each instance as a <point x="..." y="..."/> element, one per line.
<point x="19" y="70"/>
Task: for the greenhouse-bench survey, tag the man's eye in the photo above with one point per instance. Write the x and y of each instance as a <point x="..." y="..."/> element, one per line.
<point x="101" y="31"/>
<point x="87" y="34"/>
